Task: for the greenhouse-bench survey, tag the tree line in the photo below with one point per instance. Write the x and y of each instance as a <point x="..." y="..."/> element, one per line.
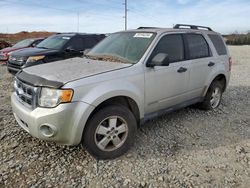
<point x="238" y="39"/>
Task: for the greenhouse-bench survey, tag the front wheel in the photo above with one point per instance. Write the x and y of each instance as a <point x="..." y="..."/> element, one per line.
<point x="110" y="132"/>
<point x="213" y="97"/>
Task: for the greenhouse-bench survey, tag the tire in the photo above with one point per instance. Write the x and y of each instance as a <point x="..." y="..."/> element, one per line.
<point x="104" y="136"/>
<point x="208" y="102"/>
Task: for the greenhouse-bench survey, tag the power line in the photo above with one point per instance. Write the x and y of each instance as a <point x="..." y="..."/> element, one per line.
<point x="37" y="5"/>
<point x="97" y="3"/>
<point x="76" y="11"/>
<point x="139" y="12"/>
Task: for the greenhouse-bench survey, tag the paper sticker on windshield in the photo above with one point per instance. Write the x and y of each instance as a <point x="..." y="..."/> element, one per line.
<point x="143" y="35"/>
<point x="66" y="38"/>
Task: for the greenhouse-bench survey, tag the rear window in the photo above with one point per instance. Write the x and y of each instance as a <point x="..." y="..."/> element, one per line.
<point x="218" y="44"/>
<point x="197" y="46"/>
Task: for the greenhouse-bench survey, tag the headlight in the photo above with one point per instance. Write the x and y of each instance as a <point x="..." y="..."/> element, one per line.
<point x="33" y="59"/>
<point x="52" y="97"/>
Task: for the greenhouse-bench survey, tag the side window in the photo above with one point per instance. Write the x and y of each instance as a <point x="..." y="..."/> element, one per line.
<point x="90" y="41"/>
<point x="76" y="44"/>
<point x="197" y="46"/>
<point x="218" y="44"/>
<point x="172" y="45"/>
<point x="36" y="42"/>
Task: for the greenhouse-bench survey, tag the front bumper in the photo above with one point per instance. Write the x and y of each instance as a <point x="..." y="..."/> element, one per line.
<point x="3" y="58"/>
<point x="67" y="120"/>
<point x="13" y="69"/>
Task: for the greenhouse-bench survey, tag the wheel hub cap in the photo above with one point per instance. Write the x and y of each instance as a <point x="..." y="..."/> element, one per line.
<point x="215" y="98"/>
<point x="111" y="133"/>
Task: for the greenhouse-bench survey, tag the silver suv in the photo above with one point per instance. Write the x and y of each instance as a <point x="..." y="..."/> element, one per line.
<point x="128" y="78"/>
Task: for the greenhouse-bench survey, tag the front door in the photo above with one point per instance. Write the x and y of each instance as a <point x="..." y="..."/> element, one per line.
<point x="166" y="86"/>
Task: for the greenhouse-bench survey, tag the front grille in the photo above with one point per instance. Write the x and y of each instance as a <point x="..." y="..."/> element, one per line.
<point x="14" y="65"/>
<point x="26" y="94"/>
<point x="3" y="57"/>
<point x="17" y="60"/>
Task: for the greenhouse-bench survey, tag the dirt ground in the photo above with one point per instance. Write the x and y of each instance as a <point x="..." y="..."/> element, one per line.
<point x="16" y="37"/>
<point x="186" y="148"/>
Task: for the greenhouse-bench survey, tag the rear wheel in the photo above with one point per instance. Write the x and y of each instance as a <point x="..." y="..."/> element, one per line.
<point x="110" y="132"/>
<point x="213" y="97"/>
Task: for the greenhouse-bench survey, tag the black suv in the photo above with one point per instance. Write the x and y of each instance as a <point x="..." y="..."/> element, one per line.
<point x="56" y="47"/>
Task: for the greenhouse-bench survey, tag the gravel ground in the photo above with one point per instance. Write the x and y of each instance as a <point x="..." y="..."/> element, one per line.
<point x="186" y="148"/>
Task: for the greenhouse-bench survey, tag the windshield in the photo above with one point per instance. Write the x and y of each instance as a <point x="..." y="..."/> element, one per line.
<point x="126" y="47"/>
<point x="23" y="43"/>
<point x="54" y="42"/>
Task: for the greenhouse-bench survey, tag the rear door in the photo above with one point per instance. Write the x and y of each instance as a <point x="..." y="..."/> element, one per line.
<point x="166" y="86"/>
<point x="201" y="63"/>
<point x="221" y="50"/>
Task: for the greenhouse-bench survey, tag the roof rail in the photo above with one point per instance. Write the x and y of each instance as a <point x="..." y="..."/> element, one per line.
<point x="180" y="26"/>
<point x="148" y="28"/>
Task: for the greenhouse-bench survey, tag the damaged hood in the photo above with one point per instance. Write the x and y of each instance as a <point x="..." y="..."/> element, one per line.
<point x="67" y="70"/>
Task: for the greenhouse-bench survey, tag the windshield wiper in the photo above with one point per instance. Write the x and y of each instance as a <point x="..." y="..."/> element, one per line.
<point x="42" y="47"/>
<point x="110" y="58"/>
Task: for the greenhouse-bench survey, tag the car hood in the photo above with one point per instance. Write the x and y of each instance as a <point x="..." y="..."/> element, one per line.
<point x="33" y="52"/>
<point x="9" y="49"/>
<point x="68" y="70"/>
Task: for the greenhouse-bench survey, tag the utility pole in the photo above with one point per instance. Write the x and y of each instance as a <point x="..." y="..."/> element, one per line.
<point x="78" y="15"/>
<point x="126" y="14"/>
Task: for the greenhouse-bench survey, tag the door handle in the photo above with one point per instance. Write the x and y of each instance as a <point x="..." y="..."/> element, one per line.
<point x="210" y="64"/>
<point x="182" y="69"/>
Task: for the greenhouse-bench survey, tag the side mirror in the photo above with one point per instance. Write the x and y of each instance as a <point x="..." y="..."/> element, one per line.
<point x="161" y="59"/>
<point x="70" y="50"/>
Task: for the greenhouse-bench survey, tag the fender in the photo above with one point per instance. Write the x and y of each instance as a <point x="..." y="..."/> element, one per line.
<point x="107" y="90"/>
<point x="220" y="69"/>
<point x="97" y="94"/>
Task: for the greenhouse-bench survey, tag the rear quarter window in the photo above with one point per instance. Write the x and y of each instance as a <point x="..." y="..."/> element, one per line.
<point x="218" y="44"/>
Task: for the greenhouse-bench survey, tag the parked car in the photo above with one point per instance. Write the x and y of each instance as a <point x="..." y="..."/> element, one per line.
<point x="54" y="48"/>
<point x="4" y="44"/>
<point x="126" y="79"/>
<point x="4" y="53"/>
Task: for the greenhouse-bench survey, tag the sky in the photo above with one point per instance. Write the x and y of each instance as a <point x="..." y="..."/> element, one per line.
<point x="107" y="16"/>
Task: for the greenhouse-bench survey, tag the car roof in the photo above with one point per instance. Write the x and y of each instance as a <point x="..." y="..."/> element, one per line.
<point x="41" y="38"/>
<point x="170" y="30"/>
<point x="74" y="34"/>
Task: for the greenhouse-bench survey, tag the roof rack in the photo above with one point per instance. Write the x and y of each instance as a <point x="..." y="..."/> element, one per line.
<point x="148" y="28"/>
<point x="180" y="26"/>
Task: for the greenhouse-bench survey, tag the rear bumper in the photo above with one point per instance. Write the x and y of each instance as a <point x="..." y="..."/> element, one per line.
<point x="67" y="121"/>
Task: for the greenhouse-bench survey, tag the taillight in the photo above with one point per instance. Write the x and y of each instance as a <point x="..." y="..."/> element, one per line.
<point x="230" y="61"/>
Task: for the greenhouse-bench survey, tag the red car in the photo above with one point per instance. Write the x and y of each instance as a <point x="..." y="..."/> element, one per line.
<point x="4" y="53"/>
<point x="4" y="44"/>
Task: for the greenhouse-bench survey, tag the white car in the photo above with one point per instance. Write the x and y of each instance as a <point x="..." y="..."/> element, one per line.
<point x="128" y="78"/>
